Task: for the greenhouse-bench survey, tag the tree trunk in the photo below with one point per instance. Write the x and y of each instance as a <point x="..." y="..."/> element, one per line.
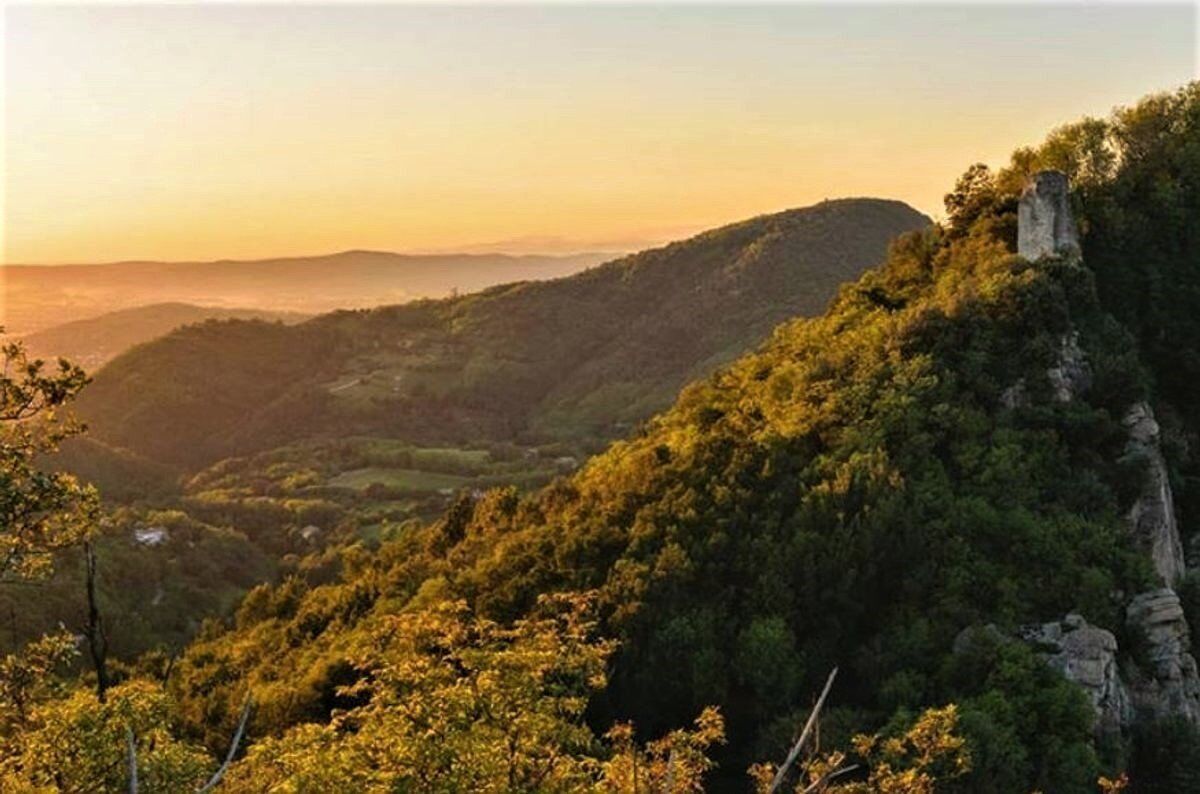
<point x="97" y="638"/>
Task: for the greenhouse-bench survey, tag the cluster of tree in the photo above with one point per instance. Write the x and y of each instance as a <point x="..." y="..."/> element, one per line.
<point x="447" y="702"/>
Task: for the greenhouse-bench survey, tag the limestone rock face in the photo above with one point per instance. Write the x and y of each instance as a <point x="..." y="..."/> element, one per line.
<point x="1152" y="517"/>
<point x="1171" y="687"/>
<point x="1015" y="396"/>
<point x="1087" y="655"/>
<point x="1072" y="375"/>
<point x="1045" y="225"/>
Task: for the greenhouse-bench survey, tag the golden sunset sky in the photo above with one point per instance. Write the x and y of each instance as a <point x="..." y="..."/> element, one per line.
<point x="210" y="131"/>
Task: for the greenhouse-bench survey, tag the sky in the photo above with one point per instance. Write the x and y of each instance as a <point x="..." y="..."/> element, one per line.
<point x="211" y="131"/>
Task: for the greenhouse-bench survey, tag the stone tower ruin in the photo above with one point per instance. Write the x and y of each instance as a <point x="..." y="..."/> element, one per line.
<point x="1045" y="225"/>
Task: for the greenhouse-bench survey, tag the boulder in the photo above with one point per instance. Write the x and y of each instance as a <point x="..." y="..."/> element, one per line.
<point x="1086" y="655"/>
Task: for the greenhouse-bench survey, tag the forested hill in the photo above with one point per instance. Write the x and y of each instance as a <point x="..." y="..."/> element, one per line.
<point x="578" y="357"/>
<point x="901" y="487"/>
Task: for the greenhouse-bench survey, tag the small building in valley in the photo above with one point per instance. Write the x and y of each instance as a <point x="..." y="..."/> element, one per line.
<point x="150" y="536"/>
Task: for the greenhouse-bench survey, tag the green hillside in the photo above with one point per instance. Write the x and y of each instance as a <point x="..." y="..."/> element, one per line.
<point x="859" y="492"/>
<point x="579" y="357"/>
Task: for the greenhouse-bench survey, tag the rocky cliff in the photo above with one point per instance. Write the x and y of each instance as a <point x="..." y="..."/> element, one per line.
<point x="1163" y="680"/>
<point x="1087" y="655"/>
<point x="1170" y="686"/>
<point x="1152" y="517"/>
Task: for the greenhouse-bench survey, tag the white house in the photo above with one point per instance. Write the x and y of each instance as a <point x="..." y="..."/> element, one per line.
<point x="150" y="536"/>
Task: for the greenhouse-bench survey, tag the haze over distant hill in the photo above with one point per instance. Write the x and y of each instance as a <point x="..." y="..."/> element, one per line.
<point x="91" y="342"/>
<point x="36" y="297"/>
<point x="581" y="357"/>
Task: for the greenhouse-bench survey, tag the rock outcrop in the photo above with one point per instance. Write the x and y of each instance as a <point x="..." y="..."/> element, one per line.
<point x="1015" y="396"/>
<point x="1152" y="517"/>
<point x="1069" y="378"/>
<point x="1087" y="655"/>
<point x="1046" y="227"/>
<point x="1164" y="681"/>
<point x="1072" y="375"/>
<point x="1171" y="685"/>
<point x="1045" y="224"/>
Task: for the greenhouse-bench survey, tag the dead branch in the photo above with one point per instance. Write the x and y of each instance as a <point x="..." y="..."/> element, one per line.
<point x="133" y="777"/>
<point x="827" y="778"/>
<point x="781" y="774"/>
<point x="233" y="746"/>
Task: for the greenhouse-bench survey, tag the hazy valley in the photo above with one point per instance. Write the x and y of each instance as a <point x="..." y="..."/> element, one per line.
<point x="38" y="296"/>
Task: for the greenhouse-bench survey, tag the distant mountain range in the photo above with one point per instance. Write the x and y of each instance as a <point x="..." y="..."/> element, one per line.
<point x="38" y="296"/>
<point x="576" y="358"/>
<point x="92" y="342"/>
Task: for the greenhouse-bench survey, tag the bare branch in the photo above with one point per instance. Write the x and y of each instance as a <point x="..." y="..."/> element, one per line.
<point x="133" y="777"/>
<point x="233" y="746"/>
<point x="827" y="778"/>
<point x="781" y="774"/>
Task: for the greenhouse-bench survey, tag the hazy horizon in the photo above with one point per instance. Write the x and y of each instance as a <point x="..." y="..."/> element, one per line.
<point x="193" y="133"/>
<point x="480" y="251"/>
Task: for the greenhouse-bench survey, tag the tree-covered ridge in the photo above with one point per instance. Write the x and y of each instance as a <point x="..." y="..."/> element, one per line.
<point x="582" y="357"/>
<point x="858" y="492"/>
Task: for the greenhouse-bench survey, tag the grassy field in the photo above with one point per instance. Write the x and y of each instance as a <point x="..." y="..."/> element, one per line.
<point x="406" y="479"/>
<point x="432" y="457"/>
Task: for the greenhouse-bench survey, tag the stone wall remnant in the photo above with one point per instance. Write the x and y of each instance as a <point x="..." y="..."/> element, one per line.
<point x="1045" y="223"/>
